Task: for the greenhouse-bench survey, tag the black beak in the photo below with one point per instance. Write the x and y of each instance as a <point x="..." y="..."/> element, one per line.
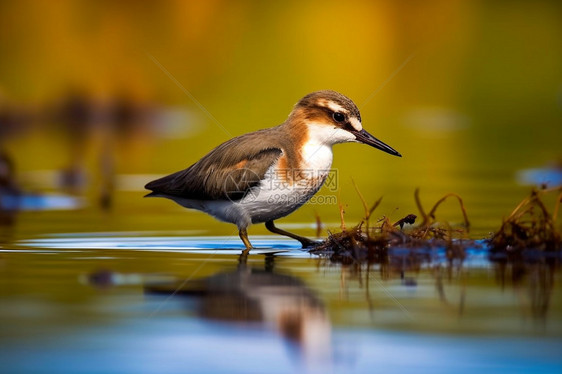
<point x="366" y="138"/>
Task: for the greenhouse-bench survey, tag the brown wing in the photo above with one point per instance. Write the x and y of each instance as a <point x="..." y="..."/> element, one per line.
<point x="227" y="172"/>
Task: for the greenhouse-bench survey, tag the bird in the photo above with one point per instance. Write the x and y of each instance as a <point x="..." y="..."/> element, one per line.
<point x="265" y="175"/>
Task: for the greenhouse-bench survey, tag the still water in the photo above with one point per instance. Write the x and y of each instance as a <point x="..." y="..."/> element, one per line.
<point x="91" y="299"/>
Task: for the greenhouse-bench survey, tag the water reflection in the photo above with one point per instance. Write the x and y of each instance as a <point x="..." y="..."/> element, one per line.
<point x="434" y="288"/>
<point x="404" y="286"/>
<point x="533" y="280"/>
<point x="249" y="296"/>
<point x="550" y="175"/>
<point x="106" y="279"/>
<point x="164" y="310"/>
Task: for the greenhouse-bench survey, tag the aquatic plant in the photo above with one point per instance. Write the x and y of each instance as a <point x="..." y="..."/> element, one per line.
<point x="370" y="243"/>
<point x="529" y="227"/>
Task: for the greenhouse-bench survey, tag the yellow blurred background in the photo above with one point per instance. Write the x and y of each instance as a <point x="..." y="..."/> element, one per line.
<point x="470" y="92"/>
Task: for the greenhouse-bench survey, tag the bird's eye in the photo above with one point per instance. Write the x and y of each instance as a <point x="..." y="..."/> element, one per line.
<point x="338" y="117"/>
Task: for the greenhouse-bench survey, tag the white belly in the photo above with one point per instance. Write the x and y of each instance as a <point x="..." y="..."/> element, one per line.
<point x="274" y="197"/>
<point x="267" y="204"/>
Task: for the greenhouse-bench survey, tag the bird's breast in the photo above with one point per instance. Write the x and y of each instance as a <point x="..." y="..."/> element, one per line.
<point x="284" y="189"/>
<point x="316" y="156"/>
<point x="308" y="170"/>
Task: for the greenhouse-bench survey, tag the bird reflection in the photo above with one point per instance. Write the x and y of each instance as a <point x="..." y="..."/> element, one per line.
<point x="280" y="302"/>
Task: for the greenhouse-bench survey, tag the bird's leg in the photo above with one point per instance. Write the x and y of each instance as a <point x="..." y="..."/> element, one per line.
<point x="244" y="236"/>
<point x="306" y="243"/>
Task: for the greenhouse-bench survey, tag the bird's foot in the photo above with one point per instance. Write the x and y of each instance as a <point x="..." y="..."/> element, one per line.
<point x="308" y="243"/>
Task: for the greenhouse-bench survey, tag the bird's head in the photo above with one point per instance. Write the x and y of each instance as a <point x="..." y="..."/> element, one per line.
<point x="333" y="118"/>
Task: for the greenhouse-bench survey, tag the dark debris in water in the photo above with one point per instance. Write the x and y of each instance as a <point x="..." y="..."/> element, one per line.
<point x="371" y="243"/>
<point x="530" y="229"/>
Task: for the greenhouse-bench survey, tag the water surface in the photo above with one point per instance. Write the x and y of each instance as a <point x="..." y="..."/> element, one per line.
<point x="168" y="301"/>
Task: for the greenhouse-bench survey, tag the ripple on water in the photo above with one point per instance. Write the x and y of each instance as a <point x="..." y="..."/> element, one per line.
<point x="228" y="245"/>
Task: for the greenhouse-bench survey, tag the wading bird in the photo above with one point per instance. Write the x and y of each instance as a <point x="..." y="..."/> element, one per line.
<point x="265" y="175"/>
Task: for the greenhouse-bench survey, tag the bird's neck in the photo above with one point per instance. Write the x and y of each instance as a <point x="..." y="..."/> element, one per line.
<point x="312" y="143"/>
<point x="314" y="147"/>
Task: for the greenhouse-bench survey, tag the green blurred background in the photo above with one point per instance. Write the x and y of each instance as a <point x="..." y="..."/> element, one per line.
<point x="470" y="92"/>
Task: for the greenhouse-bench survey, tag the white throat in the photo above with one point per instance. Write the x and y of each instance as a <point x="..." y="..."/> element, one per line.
<point x="328" y="134"/>
<point x="317" y="151"/>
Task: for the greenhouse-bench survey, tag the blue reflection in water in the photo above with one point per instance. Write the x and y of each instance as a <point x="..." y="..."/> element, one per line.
<point x="182" y="345"/>
<point x="31" y="202"/>
<point x="551" y="176"/>
<point x="191" y="244"/>
<point x="476" y="256"/>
